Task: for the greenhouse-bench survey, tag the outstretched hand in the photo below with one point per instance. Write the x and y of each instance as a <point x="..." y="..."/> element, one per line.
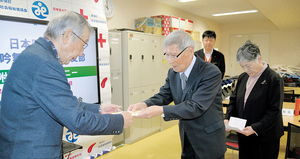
<point x="150" y="112"/>
<point x="137" y="106"/>
<point x="110" y="108"/>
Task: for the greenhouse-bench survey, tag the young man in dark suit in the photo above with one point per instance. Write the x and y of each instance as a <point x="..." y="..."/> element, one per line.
<point x="209" y="54"/>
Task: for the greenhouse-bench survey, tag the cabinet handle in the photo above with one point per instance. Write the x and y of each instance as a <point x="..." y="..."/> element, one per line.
<point x="142" y="57"/>
<point x="152" y="57"/>
<point x="130" y="57"/>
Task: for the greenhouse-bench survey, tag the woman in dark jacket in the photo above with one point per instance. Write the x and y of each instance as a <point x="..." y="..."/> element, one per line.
<point x="258" y="98"/>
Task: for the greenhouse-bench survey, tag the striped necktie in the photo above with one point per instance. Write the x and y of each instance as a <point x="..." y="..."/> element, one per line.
<point x="183" y="77"/>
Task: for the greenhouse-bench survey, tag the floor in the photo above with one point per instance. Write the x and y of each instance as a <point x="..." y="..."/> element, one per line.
<point x="166" y="145"/>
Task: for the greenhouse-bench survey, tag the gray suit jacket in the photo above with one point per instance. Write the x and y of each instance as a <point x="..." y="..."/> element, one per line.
<point x="37" y="103"/>
<point x="198" y="108"/>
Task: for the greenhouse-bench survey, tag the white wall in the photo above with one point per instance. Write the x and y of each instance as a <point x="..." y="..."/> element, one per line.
<point x="128" y="10"/>
<point x="284" y="44"/>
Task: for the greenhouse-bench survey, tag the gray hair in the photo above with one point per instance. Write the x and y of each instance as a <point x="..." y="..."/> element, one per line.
<point x="248" y="52"/>
<point x="181" y="38"/>
<point x="64" y="21"/>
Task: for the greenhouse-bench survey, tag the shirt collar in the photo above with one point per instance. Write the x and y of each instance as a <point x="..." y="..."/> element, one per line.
<point x="53" y="48"/>
<point x="208" y="54"/>
<point x="189" y="69"/>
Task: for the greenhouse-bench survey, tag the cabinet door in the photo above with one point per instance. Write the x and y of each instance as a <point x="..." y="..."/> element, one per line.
<point x="155" y="125"/>
<point x="134" y="59"/>
<point x="165" y="65"/>
<point x="156" y="55"/>
<point x="263" y="42"/>
<point x="116" y="87"/>
<point x="135" y="129"/>
<point x="236" y="41"/>
<point x="145" y="58"/>
<point x="146" y="123"/>
<point x="115" y="48"/>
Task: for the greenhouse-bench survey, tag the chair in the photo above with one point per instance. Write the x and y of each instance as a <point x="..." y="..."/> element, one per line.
<point x="289" y="96"/>
<point x="293" y="142"/>
<point x="232" y="141"/>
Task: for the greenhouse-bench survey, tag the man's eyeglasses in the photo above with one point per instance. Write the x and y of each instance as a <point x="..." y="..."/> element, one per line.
<point x="211" y="39"/>
<point x="85" y="44"/>
<point x="167" y="56"/>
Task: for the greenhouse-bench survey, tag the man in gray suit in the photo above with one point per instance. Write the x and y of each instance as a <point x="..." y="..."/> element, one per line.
<point x="37" y="101"/>
<point x="195" y="87"/>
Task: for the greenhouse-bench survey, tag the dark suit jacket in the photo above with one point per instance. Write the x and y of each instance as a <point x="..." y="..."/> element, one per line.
<point x="263" y="107"/>
<point x="198" y="108"/>
<point x="217" y="59"/>
<point x="37" y="103"/>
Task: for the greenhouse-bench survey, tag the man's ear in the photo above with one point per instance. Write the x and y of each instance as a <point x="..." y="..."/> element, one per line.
<point x="67" y="36"/>
<point x="259" y="59"/>
<point x="191" y="49"/>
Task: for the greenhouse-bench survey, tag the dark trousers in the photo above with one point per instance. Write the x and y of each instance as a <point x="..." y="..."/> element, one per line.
<point x="250" y="148"/>
<point x="188" y="151"/>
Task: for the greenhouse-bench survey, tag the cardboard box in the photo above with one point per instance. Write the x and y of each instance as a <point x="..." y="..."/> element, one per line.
<point x="182" y="24"/>
<point x="189" y="24"/>
<point x="145" y="24"/>
<point x="164" y="18"/>
<point x="165" y="24"/>
<point x="188" y="31"/>
<point x="157" y="26"/>
<point x="165" y="33"/>
<point x="173" y="29"/>
<point x="174" y="22"/>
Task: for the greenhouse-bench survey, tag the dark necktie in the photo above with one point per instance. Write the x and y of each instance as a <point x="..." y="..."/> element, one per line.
<point x="183" y="77"/>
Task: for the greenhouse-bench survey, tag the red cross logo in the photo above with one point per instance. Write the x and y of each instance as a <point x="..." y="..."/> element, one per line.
<point x="85" y="16"/>
<point x="101" y="41"/>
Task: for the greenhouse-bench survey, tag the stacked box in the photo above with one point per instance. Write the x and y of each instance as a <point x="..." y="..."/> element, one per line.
<point x="165" y="24"/>
<point x="188" y="31"/>
<point x="189" y="24"/>
<point x="174" y="22"/>
<point x="165" y="31"/>
<point x="157" y="26"/>
<point x="144" y="24"/>
<point x="173" y="29"/>
<point x="165" y="20"/>
<point x="195" y="35"/>
<point x="182" y="24"/>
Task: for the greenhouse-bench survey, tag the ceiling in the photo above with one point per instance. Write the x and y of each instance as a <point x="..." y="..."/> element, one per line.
<point x="283" y="13"/>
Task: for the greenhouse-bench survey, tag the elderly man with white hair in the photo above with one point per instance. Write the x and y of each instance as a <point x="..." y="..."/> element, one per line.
<point x="37" y="101"/>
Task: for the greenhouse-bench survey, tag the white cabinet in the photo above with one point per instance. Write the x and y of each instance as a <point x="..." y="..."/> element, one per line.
<point x="116" y="75"/>
<point x="141" y="78"/>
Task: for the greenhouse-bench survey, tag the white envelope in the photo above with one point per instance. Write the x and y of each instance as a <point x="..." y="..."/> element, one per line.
<point x="236" y="123"/>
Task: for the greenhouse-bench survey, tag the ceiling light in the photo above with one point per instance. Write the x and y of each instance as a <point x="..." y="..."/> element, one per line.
<point x="181" y="1"/>
<point x="232" y="13"/>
